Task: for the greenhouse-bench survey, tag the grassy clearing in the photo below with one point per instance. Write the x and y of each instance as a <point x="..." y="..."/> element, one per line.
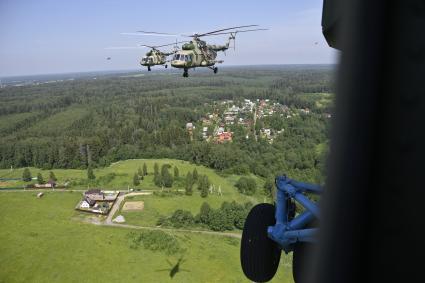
<point x="41" y="241"/>
<point x="156" y="206"/>
<point x="124" y="171"/>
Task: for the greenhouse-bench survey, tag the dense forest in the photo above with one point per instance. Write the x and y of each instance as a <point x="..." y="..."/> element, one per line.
<point x="94" y="122"/>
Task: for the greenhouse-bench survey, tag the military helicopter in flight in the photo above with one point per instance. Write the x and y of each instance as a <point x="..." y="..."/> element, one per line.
<point x="197" y="53"/>
<point x="156" y="57"/>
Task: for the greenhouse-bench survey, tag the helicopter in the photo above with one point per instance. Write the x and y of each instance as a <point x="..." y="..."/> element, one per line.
<point x="156" y="57"/>
<point x="197" y="53"/>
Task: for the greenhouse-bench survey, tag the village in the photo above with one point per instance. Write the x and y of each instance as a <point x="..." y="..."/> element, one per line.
<point x="217" y="126"/>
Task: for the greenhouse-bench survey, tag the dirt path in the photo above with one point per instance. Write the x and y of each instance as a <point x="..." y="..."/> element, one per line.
<point x="117" y="205"/>
<point x="231" y="235"/>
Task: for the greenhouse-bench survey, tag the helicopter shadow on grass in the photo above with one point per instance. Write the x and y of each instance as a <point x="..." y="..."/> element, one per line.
<point x="174" y="268"/>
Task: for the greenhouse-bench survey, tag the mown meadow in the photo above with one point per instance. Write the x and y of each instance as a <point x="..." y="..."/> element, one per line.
<point x="43" y="240"/>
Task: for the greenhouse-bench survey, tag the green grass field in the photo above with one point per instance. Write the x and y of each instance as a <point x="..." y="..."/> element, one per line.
<point x="155" y="206"/>
<point x="124" y="171"/>
<point x="43" y="240"/>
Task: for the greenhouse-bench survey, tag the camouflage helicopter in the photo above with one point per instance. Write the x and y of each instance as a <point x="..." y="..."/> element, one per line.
<point x="156" y="57"/>
<point x="197" y="53"/>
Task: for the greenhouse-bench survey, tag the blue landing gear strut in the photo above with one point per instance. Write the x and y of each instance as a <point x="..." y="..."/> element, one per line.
<point x="269" y="229"/>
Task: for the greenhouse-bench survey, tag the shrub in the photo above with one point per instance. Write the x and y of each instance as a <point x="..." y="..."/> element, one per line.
<point x="26" y="175"/>
<point x="246" y="185"/>
<point x="182" y="218"/>
<point x="155" y="241"/>
<point x="204" y="213"/>
<point x="217" y="220"/>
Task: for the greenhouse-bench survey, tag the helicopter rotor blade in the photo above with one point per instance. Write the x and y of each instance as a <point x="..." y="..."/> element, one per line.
<point x="122" y="47"/>
<point x="238" y="31"/>
<point x="220" y="30"/>
<point x="156" y="33"/>
<point x="148" y="46"/>
<point x="158" y="46"/>
<point x="149" y="34"/>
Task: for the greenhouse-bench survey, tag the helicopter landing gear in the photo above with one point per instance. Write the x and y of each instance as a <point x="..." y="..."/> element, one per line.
<point x="185" y="73"/>
<point x="215" y="69"/>
<point x="149" y="68"/>
<point x="260" y="255"/>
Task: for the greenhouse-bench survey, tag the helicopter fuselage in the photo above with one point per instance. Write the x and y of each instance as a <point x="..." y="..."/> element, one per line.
<point x="154" y="57"/>
<point x="197" y="54"/>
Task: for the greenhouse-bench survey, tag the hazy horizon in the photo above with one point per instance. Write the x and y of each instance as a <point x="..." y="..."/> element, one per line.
<point x="112" y="71"/>
<point x="48" y="37"/>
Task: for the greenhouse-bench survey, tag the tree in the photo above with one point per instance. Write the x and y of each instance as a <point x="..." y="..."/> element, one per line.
<point x="26" y="175"/>
<point x="52" y="176"/>
<point x="40" y="179"/>
<point x="246" y="185"/>
<point x="156" y="169"/>
<point x="195" y="175"/>
<point x="145" y="169"/>
<point x="204" y="213"/>
<point x="139" y="172"/>
<point x="182" y="218"/>
<point x="136" y="181"/>
<point x="217" y="220"/>
<point x="176" y="172"/>
<point x="157" y="179"/>
<point x="167" y="179"/>
<point x="204" y="192"/>
<point x="189" y="184"/>
<point x="203" y="185"/>
<point x="90" y="174"/>
<point x="268" y="186"/>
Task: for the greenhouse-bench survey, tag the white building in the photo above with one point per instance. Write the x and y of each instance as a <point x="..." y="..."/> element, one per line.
<point x="85" y="204"/>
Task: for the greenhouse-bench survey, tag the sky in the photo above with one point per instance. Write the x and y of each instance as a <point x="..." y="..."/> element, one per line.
<point x="56" y="36"/>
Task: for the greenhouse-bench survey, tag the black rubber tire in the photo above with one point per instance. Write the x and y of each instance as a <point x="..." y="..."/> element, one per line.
<point x="215" y="70"/>
<point x="260" y="255"/>
<point x="149" y="68"/>
<point x="166" y="66"/>
<point x="300" y="261"/>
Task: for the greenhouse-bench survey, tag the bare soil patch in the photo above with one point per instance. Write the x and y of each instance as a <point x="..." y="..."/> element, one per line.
<point x="133" y="206"/>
